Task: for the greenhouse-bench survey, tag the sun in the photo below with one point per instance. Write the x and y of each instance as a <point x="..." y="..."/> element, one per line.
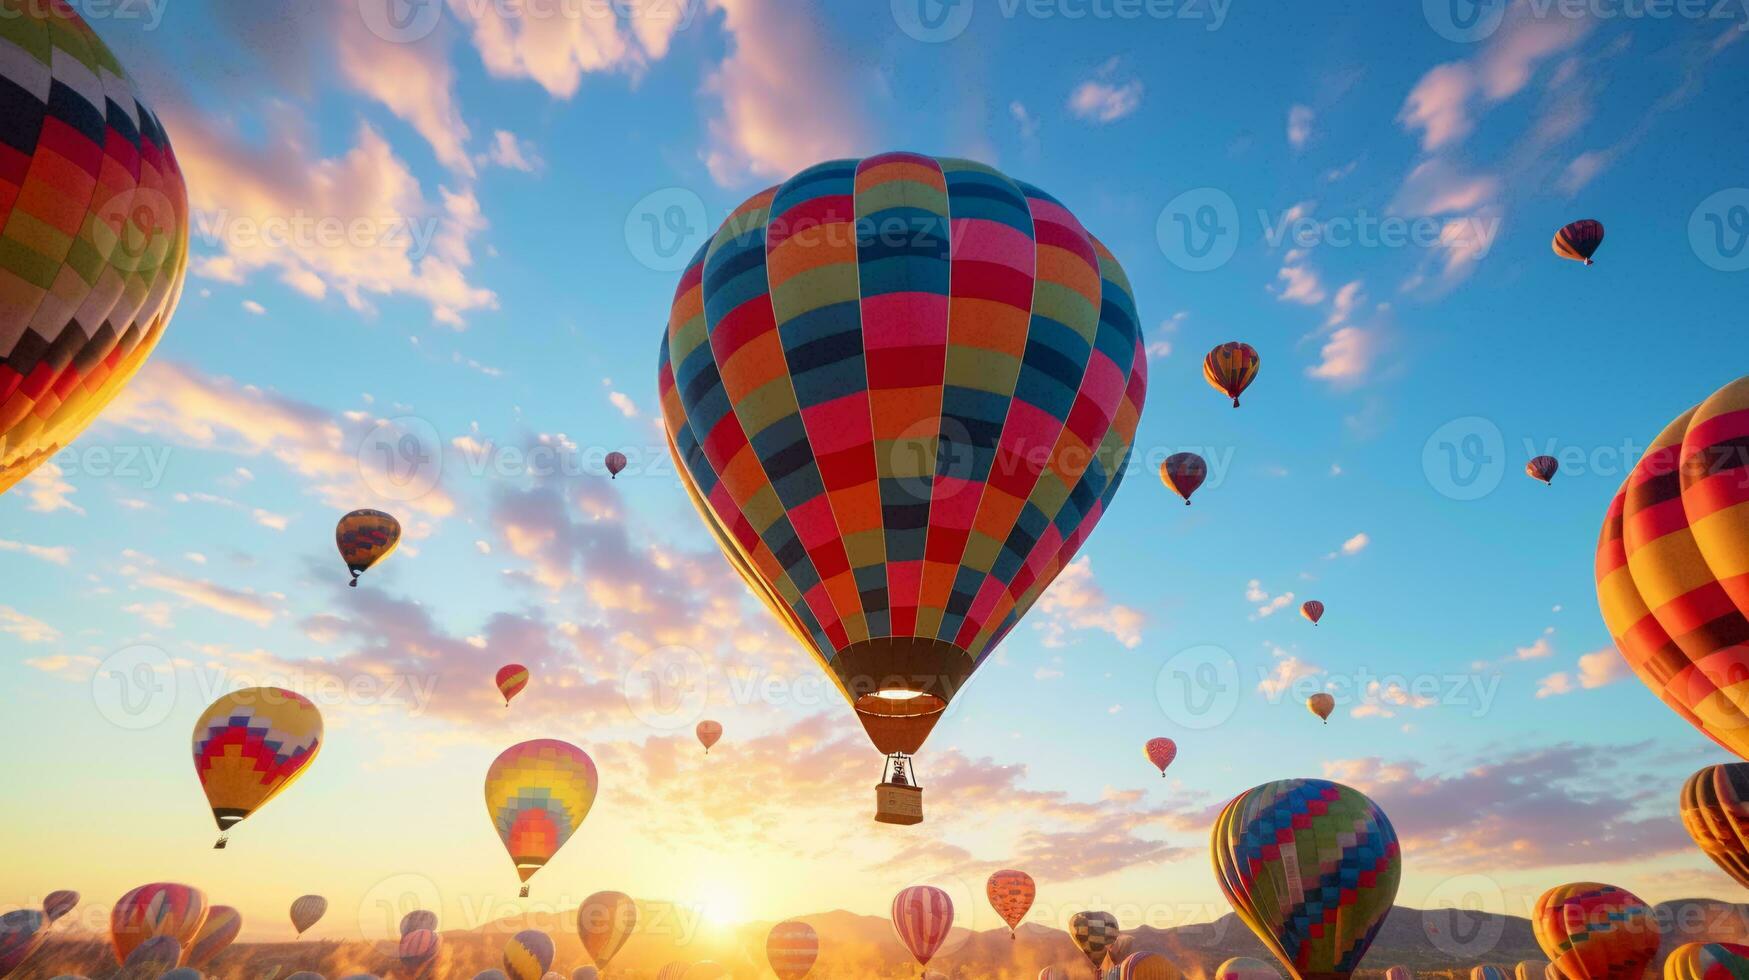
<point x="722" y="908"/>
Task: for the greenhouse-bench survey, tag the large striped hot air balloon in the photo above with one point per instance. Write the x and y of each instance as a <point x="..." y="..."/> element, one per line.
<point x="791" y="949"/>
<point x="527" y="955"/>
<point x="922" y="917"/>
<point x="250" y="745"/>
<point x="1251" y="968"/>
<point x="158" y="909"/>
<point x="306" y="911"/>
<point x="1011" y="894"/>
<point x="1312" y="867"/>
<point x="537" y="794"/>
<point x="1707" y="961"/>
<point x="1595" y="932"/>
<point x="1093" y="933"/>
<point x="1161" y="752"/>
<point x="1673" y="567"/>
<point x="1230" y="369"/>
<point x="366" y="537"/>
<point x="1715" y="812"/>
<point x="1578" y="240"/>
<point x="22" y="933"/>
<point x="220" y="929"/>
<point x="605" y="921"/>
<point x="94" y="223"/>
<point x="901" y="392"/>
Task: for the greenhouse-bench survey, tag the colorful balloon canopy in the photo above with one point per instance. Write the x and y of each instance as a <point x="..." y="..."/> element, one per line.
<point x="708" y="733"/>
<point x="511" y="679"/>
<point x="1321" y="704"/>
<point x="1251" y="968"/>
<point x="1148" y="966"/>
<point x="1313" y="610"/>
<point x="1578" y="240"/>
<point x="1542" y="468"/>
<point x="1312" y="867"/>
<point x="1595" y="932"/>
<point x="1707" y="961"/>
<point x="1183" y="473"/>
<point x="152" y="958"/>
<point x="1673" y="567"/>
<point x="1488" y="971"/>
<point x="1011" y="894"/>
<point x="1161" y="752"/>
<point x="1093" y="933"/>
<point x="616" y="464"/>
<point x="220" y="930"/>
<point x="158" y="909"/>
<point x="922" y="916"/>
<point x="60" y="902"/>
<point x="1529" y="970"/>
<point x="605" y="921"/>
<point x="1119" y="950"/>
<point x="22" y="933"/>
<point x="249" y="746"/>
<point x="366" y="537"/>
<point x="537" y="794"/>
<point x="901" y="392"/>
<point x="1230" y="368"/>
<point x="1715" y="812"/>
<point x="418" y="919"/>
<point x="95" y="230"/>
<point x="306" y="911"/>
<point x="528" y="955"/>
<point x="791" y="948"/>
<point x="418" y="952"/>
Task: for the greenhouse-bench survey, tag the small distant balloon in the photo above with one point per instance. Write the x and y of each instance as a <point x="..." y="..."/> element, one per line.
<point x="418" y="950"/>
<point x="708" y="733"/>
<point x="616" y="464"/>
<point x="306" y="975"/>
<point x="1542" y="468"/>
<point x="511" y="679"/>
<point x="59" y="903"/>
<point x="1230" y="368"/>
<point x="307" y="911"/>
<point x="1579" y="240"/>
<point x="1011" y="894"/>
<point x="1313" y="610"/>
<point x="1093" y="933"/>
<point x="792" y="948"/>
<point x="418" y="919"/>
<point x="586" y="973"/>
<point x="528" y="955"/>
<point x="673" y="971"/>
<point x="1525" y="970"/>
<point x="1183" y="473"/>
<point x="1161" y="752"/>
<point x="1488" y="971"/>
<point x="1117" y="952"/>
<point x="1321" y="704"/>
<point x="1399" y="973"/>
<point x="366" y="537"/>
<point x="491" y="975"/>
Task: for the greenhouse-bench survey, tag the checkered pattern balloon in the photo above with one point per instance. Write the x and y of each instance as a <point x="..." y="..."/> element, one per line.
<point x="1093" y="933"/>
<point x="537" y="794"/>
<point x="1595" y="932"/>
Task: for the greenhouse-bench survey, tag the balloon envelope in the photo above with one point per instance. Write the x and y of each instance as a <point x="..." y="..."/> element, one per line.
<point x="1230" y="368"/>
<point x="1161" y="752"/>
<point x="418" y="949"/>
<point x="1488" y="971"/>
<point x="511" y="679"/>
<point x="1251" y="968"/>
<point x="1321" y="704"/>
<point x="366" y="537"/>
<point x="1313" y="610"/>
<point x="537" y="794"/>
<point x="791" y="948"/>
<point x="1093" y="933"/>
<point x="528" y="955"/>
<point x="616" y="464"/>
<point x="1578" y="240"/>
<point x="418" y="919"/>
<point x="708" y="733"/>
<point x="1593" y="931"/>
<point x="605" y="921"/>
<point x="158" y="909"/>
<point x="1011" y="894"/>
<point x="22" y="932"/>
<point x="249" y="746"/>
<point x="586" y="973"/>
<point x="1183" y="473"/>
<point x="59" y="903"/>
<point x="152" y="958"/>
<point x="922" y="916"/>
<point x="1542" y="468"/>
<point x="307" y="911"/>
<point x="1148" y="966"/>
<point x="220" y="929"/>
<point x="1707" y="961"/>
<point x="1526" y="970"/>
<point x="1715" y="812"/>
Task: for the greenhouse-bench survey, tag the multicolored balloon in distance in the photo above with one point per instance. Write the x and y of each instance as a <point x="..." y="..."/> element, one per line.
<point x="158" y="909"/>
<point x="366" y="537"/>
<point x="1578" y="240"/>
<point x="537" y="794"/>
<point x="306" y="911"/>
<point x="223" y="924"/>
<point x="1707" y="961"/>
<point x="1312" y="610"/>
<point x="1488" y="971"/>
<point x="1183" y="473"/>
<point x="22" y="933"/>
<point x="1321" y="704"/>
<point x="59" y="902"/>
<point x="1148" y="966"/>
<point x="1670" y="568"/>
<point x="418" y="919"/>
<point x="1230" y="369"/>
<point x="1093" y="933"/>
<point x="922" y="917"/>
<point x="511" y="679"/>
<point x="1252" y="968"/>
<point x="1011" y="894"/>
<point x="1593" y="931"/>
<point x="1312" y="867"/>
<point x="418" y="951"/>
<point x="1161" y="752"/>
<point x="951" y="414"/>
<point x="1526" y="970"/>
<point x="708" y="733"/>
<point x="792" y="948"/>
<point x="96" y="234"/>
<point x="249" y="746"/>
<point x="616" y="464"/>
<point x="528" y="955"/>
<point x="1119" y="950"/>
<point x="1542" y="468"/>
<point x="1715" y="812"/>
<point x="605" y="921"/>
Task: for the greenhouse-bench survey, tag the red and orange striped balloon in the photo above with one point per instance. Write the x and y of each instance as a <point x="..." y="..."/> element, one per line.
<point x="511" y="679"/>
<point x="1230" y="368"/>
<point x="158" y="909"/>
<point x="1578" y="240"/>
<point x="1011" y="894"/>
<point x="922" y="916"/>
<point x="1715" y="812"/>
<point x="1313" y="610"/>
<point x="791" y="948"/>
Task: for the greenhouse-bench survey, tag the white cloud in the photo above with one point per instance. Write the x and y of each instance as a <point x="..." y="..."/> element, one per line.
<point x="511" y="153"/>
<point x="47" y="492"/>
<point x="1299" y="125"/>
<point x="250" y="306"/>
<point x="1074" y="601"/>
<point x="1356" y="544"/>
<point x="1601" y="667"/>
<point x="1268" y="605"/>
<point x="26" y="628"/>
<point x="1100" y="99"/>
<point x="623" y="402"/>
<point x="1287" y="672"/>
<point x="58" y="554"/>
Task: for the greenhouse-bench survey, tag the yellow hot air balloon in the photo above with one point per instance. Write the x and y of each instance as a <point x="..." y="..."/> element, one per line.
<point x="364" y="538"/>
<point x="605" y="921"/>
<point x="1707" y="961"/>
<point x="1595" y="932"/>
<point x="249" y="746"/>
<point x="537" y="794"/>
<point x="1321" y="704"/>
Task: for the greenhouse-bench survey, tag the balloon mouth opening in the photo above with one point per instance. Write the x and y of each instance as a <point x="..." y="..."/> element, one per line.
<point x="899" y="703"/>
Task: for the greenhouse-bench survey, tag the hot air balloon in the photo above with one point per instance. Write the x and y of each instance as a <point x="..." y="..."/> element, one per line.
<point x="59" y="903"/>
<point x="586" y="973"/>
<point x="1011" y="894"/>
<point x="1230" y="369"/>
<point x="953" y="411"/>
<point x="527" y="955"/>
<point x="1093" y="933"/>
<point x="1321" y="704"/>
<point x="1399" y="973"/>
<point x="1670" y="564"/>
<point x="22" y="932"/>
<point x="418" y="952"/>
<point x="605" y="921"/>
<point x="1312" y="867"/>
<point x="1183" y="473"/>
<point x="158" y="909"/>
<point x="97" y="234"/>
<point x="306" y="911"/>
<point x="366" y="537"/>
<point x="418" y="919"/>
<point x="1595" y="932"/>
<point x="251" y="744"/>
<point x="1715" y="812"/>
<point x="1525" y="970"/>
<point x="1148" y="966"/>
<point x="1313" y="610"/>
<point x="708" y="732"/>
<point x="616" y="464"/>
<point x="1488" y="971"/>
<point x="1542" y="468"/>
<point x="673" y="971"/>
<point x="1119" y="950"/>
<point x="1707" y="961"/>
<point x="1251" y="968"/>
<point x="537" y="794"/>
<point x="791" y="949"/>
<point x="220" y="929"/>
<point x="1161" y="752"/>
<point x="152" y="958"/>
<point x="511" y="679"/>
<point x="1578" y="240"/>
<point x="922" y="916"/>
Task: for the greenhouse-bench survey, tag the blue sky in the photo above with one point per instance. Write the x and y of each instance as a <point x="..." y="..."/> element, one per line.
<point x="1385" y="185"/>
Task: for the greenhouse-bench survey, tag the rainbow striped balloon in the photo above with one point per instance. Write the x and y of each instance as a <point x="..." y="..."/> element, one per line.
<point x="1488" y="971"/>
<point x="158" y="909"/>
<point x="222" y="925"/>
<point x="1707" y="961"/>
<point x="537" y="794"/>
<point x="1595" y="932"/>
